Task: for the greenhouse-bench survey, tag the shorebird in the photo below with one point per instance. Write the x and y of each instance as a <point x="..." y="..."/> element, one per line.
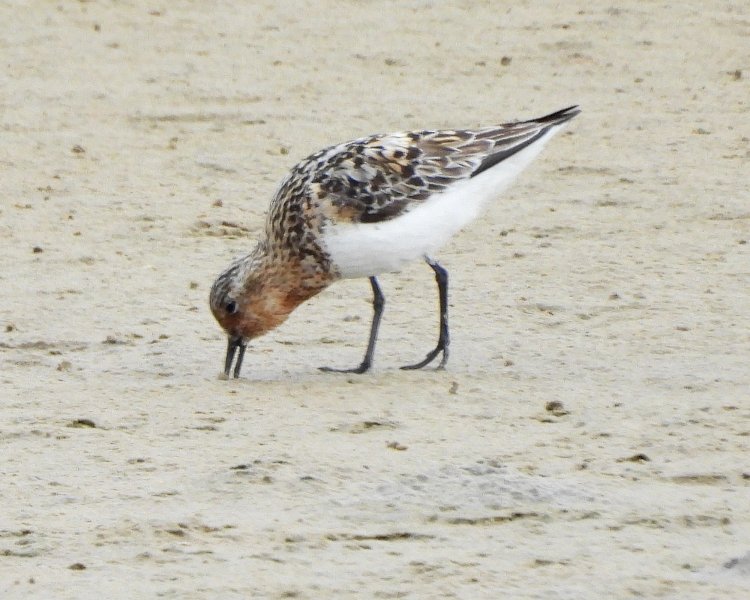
<point x="367" y="207"/>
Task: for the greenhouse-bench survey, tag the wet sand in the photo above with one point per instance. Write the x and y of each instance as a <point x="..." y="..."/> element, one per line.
<point x="590" y="436"/>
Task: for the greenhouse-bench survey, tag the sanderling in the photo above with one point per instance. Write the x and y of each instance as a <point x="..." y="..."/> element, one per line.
<point x="367" y="207"/>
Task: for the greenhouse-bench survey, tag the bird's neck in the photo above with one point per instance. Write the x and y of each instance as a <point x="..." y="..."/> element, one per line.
<point x="273" y="288"/>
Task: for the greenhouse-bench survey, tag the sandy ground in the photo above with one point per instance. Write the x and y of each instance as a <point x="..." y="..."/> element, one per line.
<point x="590" y="437"/>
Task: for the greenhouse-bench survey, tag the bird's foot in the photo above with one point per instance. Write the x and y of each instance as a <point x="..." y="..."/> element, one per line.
<point x="441" y="347"/>
<point x="363" y="368"/>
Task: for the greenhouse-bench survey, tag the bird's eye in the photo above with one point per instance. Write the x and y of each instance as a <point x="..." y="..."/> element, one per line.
<point x="231" y="307"/>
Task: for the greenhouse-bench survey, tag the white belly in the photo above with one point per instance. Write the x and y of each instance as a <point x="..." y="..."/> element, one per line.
<point x="365" y="249"/>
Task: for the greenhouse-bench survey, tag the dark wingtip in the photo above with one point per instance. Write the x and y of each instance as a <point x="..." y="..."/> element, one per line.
<point x="559" y="116"/>
<point x="542" y="125"/>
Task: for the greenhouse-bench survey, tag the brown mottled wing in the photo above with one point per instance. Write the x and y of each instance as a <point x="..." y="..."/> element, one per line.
<point x="378" y="178"/>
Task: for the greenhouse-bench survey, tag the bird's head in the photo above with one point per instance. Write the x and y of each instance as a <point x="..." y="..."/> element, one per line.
<point x="247" y="301"/>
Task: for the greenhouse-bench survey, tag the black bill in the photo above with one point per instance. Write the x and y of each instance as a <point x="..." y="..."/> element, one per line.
<point x="235" y="342"/>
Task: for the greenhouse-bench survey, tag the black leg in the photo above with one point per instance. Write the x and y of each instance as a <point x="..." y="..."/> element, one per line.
<point x="378" y="304"/>
<point x="441" y="276"/>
